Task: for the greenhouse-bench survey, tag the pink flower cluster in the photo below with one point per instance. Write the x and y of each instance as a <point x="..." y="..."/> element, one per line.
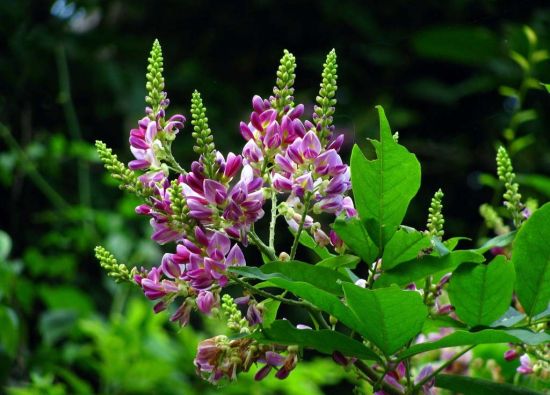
<point x="289" y="153"/>
<point x="220" y="357"/>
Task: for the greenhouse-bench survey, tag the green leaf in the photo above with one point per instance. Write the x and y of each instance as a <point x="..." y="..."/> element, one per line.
<point x="5" y="245"/>
<point x="486" y="336"/>
<point x="418" y="269"/>
<point x="547" y="87"/>
<point x="325" y="341"/>
<point x="384" y="187"/>
<point x="341" y="261"/>
<point x="498" y="241"/>
<point x="321" y="277"/>
<point x="465" y="45"/>
<point x="509" y="318"/>
<point x="538" y="182"/>
<point x="354" y="234"/>
<point x="271" y="307"/>
<point x="404" y="246"/>
<point x="480" y="294"/>
<point x="477" y="386"/>
<point x="390" y="316"/>
<point x="307" y="241"/>
<point x="323" y="300"/>
<point x="9" y="334"/>
<point x="531" y="258"/>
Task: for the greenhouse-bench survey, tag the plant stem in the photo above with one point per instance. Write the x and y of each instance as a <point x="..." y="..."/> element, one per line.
<point x="30" y="169"/>
<point x="264" y="249"/>
<point x="273" y="219"/>
<point x="373" y="377"/>
<point x="265" y="294"/>
<point x="441" y="368"/>
<point x="307" y="202"/>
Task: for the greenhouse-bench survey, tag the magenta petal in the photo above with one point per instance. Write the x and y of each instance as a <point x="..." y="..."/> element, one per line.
<point x="274" y="359"/>
<point x="219" y="242"/>
<point x="235" y="257"/>
<point x="262" y="373"/>
<point x="311" y="146"/>
<point x="214" y="191"/>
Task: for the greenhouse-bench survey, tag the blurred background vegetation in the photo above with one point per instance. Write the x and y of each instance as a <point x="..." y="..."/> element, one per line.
<point x="457" y="78"/>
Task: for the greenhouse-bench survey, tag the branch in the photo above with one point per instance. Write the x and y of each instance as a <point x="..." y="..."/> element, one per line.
<point x="264" y="249"/>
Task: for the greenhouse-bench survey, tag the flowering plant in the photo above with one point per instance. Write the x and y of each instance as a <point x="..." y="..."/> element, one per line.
<point x="378" y="294"/>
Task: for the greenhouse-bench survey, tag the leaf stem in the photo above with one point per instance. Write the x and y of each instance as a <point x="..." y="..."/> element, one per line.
<point x="265" y="294"/>
<point x="264" y="249"/>
<point x="373" y="377"/>
<point x="440" y="369"/>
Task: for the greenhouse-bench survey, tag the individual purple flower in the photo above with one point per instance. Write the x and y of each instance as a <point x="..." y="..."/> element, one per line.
<point x="206" y="300"/>
<point x="427" y="388"/>
<point x="271" y="360"/>
<point x="510" y="355"/>
<point x="525" y="367"/>
<point x="253" y="314"/>
<point x="142" y="145"/>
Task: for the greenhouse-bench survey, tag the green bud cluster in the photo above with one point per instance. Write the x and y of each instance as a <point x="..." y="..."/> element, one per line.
<point x="235" y="320"/>
<point x="435" y="217"/>
<point x="512" y="198"/>
<point x="180" y="211"/>
<point x="326" y="99"/>
<point x="283" y="90"/>
<point x="155" y="80"/>
<point x="114" y="269"/>
<point x="202" y="134"/>
<point x="492" y="219"/>
<point x="127" y="178"/>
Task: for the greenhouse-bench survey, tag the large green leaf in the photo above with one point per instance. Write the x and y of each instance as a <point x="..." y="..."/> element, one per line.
<point x="384" y="187"/>
<point x="325" y="341"/>
<point x="390" y="316"/>
<point x="477" y="386"/>
<point x="498" y="241"/>
<point x="354" y="234"/>
<point x="417" y="269"/>
<point x="404" y="246"/>
<point x="531" y="258"/>
<point x="486" y="336"/>
<point x="321" y="277"/>
<point x="480" y="294"/>
<point x="323" y="300"/>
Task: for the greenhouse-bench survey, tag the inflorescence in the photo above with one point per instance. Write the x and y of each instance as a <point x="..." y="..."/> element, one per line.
<point x="209" y="210"/>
